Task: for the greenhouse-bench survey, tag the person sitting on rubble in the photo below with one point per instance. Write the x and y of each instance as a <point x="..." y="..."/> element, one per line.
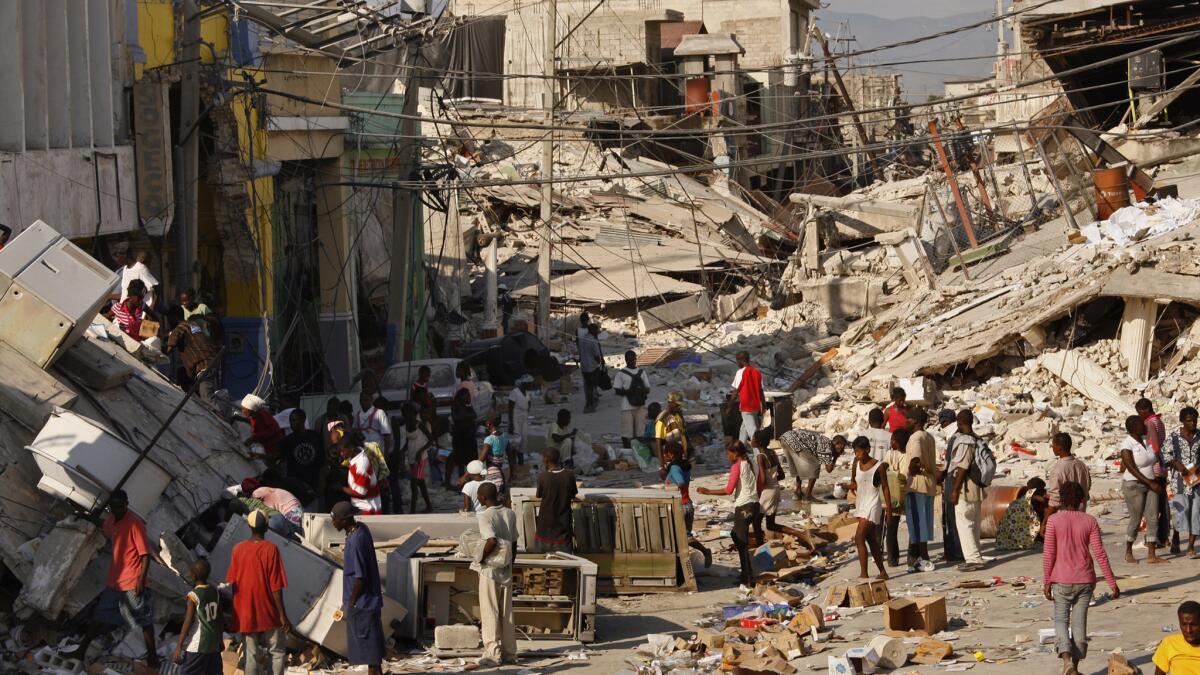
<point x="807" y="451"/>
<point x="676" y="470"/>
<point x="770" y="472"/>
<point x="873" y="502"/>
<point x="264" y="430"/>
<point x="198" y="651"/>
<point x="1018" y="527"/>
<point x="125" y="601"/>
<point x="1180" y="654"/>
<point x="743" y="487"/>
<point x="897" y="412"/>
<point x="670" y="426"/>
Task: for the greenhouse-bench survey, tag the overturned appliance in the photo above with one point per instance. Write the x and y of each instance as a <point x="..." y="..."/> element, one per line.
<point x="320" y="533"/>
<point x="636" y="537"/>
<point x="554" y="594"/>
<point x="313" y="598"/>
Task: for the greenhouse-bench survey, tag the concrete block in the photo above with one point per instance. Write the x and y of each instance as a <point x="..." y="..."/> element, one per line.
<point x="845" y="297"/>
<point x="456" y="637"/>
<point x="678" y="313"/>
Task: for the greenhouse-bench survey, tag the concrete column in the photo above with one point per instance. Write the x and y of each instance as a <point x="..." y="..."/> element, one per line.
<point x="80" y="74"/>
<point x="1137" y="336"/>
<point x="100" y="67"/>
<point x="58" y="74"/>
<point x="12" y="86"/>
<point x="491" y="319"/>
<point x="33" y="72"/>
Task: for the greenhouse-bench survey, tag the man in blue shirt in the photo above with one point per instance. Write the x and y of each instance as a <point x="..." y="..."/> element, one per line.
<point x="362" y="597"/>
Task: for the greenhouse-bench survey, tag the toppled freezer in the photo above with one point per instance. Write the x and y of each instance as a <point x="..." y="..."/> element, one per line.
<point x="554" y="594"/>
<point x="81" y="461"/>
<point x="635" y="536"/>
<point x="320" y="533"/>
<point x="313" y="597"/>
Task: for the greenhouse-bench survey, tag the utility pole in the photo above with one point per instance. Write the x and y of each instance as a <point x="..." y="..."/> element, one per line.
<point x="402" y="214"/>
<point x="841" y="87"/>
<point x="549" y="27"/>
<point x="187" y="153"/>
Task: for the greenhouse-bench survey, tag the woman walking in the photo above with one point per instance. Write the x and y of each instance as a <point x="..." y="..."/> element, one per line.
<point x="743" y="486"/>
<point x="1068" y="574"/>
<point x="1142" y="491"/>
<point x="873" y="501"/>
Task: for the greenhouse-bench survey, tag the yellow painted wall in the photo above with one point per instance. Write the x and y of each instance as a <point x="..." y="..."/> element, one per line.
<point x="157" y="35"/>
<point x="245" y="298"/>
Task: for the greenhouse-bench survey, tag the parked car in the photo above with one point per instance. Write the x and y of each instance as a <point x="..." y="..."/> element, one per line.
<point x="398" y="378"/>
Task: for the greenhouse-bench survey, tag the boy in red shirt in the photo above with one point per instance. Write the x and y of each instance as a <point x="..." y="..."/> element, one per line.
<point x="747" y="385"/>
<point x="257" y="576"/>
<point x="124" y="600"/>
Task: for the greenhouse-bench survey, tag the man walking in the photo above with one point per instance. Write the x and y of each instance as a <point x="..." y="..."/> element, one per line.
<point x="966" y="495"/>
<point x="591" y="361"/>
<point x="632" y="385"/>
<point x="1066" y="469"/>
<point x="124" y="600"/>
<point x="494" y="563"/>
<point x="257" y="577"/>
<point x="747" y="385"/>
<point x="362" y="595"/>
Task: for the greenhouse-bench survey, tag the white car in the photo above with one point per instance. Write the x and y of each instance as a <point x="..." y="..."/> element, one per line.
<point x="398" y="378"/>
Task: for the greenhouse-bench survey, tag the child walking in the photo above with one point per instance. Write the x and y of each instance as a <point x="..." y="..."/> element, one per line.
<point x="418" y="441"/>
<point x="1068" y="574"/>
<point x="873" y="501"/>
<point x="199" y="649"/>
<point x="743" y="487"/>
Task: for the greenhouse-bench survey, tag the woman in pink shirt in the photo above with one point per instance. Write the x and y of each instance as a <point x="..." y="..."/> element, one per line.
<point x="1068" y="575"/>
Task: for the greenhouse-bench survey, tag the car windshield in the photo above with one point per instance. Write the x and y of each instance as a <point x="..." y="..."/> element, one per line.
<point x="401" y="376"/>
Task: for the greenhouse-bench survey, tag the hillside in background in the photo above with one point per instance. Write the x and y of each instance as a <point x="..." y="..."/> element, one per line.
<point x="969" y="53"/>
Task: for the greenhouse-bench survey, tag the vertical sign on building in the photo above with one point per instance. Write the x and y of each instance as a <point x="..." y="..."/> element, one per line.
<point x="152" y="153"/>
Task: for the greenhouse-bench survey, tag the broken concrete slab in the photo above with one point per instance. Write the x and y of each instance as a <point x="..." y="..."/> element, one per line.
<point x="61" y="558"/>
<point x="845" y="297"/>
<point x="678" y="313"/>
<point x="1087" y="378"/>
<point x="737" y="306"/>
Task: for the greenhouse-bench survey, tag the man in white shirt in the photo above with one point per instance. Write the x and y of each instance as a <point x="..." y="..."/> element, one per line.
<point x="494" y="563"/>
<point x="135" y="268"/>
<point x="374" y="424"/>
<point x="632" y="385"/>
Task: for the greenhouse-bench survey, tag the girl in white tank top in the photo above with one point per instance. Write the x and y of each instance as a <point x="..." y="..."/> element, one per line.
<point x="872" y="501"/>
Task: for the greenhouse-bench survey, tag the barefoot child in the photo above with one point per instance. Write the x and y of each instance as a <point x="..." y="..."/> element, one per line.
<point x="199" y="649"/>
<point x="873" y="501"/>
<point x="770" y="472"/>
<point x="419" y="441"/>
<point x="676" y="470"/>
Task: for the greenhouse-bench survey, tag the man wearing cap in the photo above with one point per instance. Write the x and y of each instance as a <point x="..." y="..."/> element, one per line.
<point x="362" y="597"/>
<point x="124" y="600"/>
<point x="257" y="577"/>
<point x="476" y="476"/>
<point x="264" y="430"/>
<point x="670" y="426"/>
<point x="493" y="562"/>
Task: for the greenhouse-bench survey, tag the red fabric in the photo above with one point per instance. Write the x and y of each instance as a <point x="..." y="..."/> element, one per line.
<point x="897" y="419"/>
<point x="1156" y="432"/>
<point x="265" y="430"/>
<point x="750" y="390"/>
<point x="1065" y="559"/>
<point x="129" y="551"/>
<point x="129" y="320"/>
<point x="256" y="571"/>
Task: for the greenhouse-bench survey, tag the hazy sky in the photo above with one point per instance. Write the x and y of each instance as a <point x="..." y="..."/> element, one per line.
<point x="903" y="9"/>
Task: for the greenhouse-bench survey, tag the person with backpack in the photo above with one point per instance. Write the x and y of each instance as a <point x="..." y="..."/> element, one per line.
<point x="969" y="462"/>
<point x="632" y="385"/>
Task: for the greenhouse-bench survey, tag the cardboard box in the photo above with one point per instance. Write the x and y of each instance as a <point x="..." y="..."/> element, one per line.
<point x="711" y="639"/>
<point x="863" y="594"/>
<point x="812" y="616"/>
<point x="931" y="652"/>
<point x="915" y="616"/>
<point x="770" y="557"/>
<point x="789" y="644"/>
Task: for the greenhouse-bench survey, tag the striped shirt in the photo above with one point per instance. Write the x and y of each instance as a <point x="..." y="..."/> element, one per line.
<point x="129" y="320"/>
<point x="365" y="485"/>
